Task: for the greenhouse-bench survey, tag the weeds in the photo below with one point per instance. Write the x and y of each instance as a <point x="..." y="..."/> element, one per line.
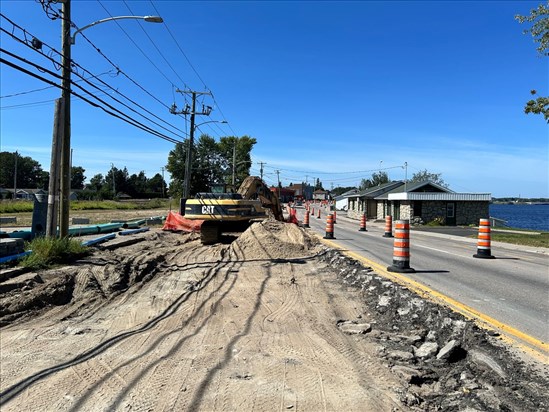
<point x="21" y="206"/>
<point x="47" y="252"/>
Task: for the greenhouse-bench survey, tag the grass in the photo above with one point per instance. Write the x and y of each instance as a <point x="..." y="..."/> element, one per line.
<point x="22" y="206"/>
<point x="47" y="252"/>
<point x="525" y="239"/>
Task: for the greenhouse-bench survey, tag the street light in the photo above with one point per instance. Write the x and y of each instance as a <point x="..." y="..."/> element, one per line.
<point x="148" y="19"/>
<point x="63" y="112"/>
<point x="187" y="181"/>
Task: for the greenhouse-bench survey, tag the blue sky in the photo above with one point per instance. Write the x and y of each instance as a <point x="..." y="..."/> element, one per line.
<point x="330" y="90"/>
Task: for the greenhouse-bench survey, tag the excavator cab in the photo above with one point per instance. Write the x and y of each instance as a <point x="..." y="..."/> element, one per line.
<point x="224" y="211"/>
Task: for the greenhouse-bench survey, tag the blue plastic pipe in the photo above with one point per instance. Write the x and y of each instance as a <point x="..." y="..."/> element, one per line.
<point x="13" y="257"/>
<point x="99" y="240"/>
<point x="132" y="231"/>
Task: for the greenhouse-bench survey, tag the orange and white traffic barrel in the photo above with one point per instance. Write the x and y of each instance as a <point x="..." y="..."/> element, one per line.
<point x="306" y="219"/>
<point x="388" y="226"/>
<point x="329" y="227"/>
<point x="363" y="223"/>
<point x="401" y="248"/>
<point x="484" y="240"/>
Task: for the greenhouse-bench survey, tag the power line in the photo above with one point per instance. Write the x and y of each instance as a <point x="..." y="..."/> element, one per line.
<point x="128" y="119"/>
<point x="30" y="45"/>
<point x="135" y="43"/>
<point x="44" y="88"/>
<point x="178" y="46"/>
<point x="157" y="49"/>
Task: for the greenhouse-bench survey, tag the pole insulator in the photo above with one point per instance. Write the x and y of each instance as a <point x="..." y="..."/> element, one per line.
<point x="484" y="240"/>
<point x="401" y="249"/>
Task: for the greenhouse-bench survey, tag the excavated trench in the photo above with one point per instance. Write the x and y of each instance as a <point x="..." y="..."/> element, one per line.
<point x="444" y="361"/>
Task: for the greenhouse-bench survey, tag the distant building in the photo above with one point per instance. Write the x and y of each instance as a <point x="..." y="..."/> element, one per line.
<point x="420" y="202"/>
<point x="341" y="201"/>
<point x="320" y="194"/>
<point x="285" y="194"/>
<point x="28" y="194"/>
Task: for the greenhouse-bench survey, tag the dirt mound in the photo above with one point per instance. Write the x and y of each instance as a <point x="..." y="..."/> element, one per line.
<point x="272" y="239"/>
<point x="90" y="282"/>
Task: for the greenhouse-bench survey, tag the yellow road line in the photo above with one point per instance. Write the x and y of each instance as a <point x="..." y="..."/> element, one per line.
<point x="534" y="347"/>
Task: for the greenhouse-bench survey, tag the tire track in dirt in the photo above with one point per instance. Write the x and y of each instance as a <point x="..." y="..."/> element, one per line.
<point x="174" y="349"/>
<point x="15" y="389"/>
<point x="198" y="397"/>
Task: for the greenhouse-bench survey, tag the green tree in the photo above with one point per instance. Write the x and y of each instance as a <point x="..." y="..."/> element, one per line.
<point x="243" y="161"/>
<point x="539" y="29"/>
<point x="424" y="175"/>
<point x="96" y="182"/>
<point x="29" y="172"/>
<point x="156" y="184"/>
<point x="378" y="178"/>
<point x="211" y="163"/>
<point x="77" y="177"/>
<point x="137" y="185"/>
<point x="318" y="185"/>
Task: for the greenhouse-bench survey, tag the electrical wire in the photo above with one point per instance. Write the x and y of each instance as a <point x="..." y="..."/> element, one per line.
<point x="42" y="89"/>
<point x="29" y="44"/>
<point x="126" y="118"/>
<point x="157" y="48"/>
<point x="135" y="43"/>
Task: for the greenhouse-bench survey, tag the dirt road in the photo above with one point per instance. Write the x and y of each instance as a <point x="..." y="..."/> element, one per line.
<point x="273" y="321"/>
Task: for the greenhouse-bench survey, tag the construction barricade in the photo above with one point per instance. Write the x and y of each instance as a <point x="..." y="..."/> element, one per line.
<point x="363" y="223"/>
<point x="484" y="240"/>
<point x="306" y="219"/>
<point x="388" y="226"/>
<point x="401" y="248"/>
<point x="329" y="227"/>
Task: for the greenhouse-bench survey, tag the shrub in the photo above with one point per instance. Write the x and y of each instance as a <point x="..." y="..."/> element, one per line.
<point x="437" y="221"/>
<point x="47" y="252"/>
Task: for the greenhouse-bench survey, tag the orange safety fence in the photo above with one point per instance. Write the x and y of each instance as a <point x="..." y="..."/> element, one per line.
<point x="293" y="217"/>
<point x="175" y="221"/>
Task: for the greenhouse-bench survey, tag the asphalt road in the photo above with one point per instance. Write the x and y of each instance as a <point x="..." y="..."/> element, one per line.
<point x="513" y="288"/>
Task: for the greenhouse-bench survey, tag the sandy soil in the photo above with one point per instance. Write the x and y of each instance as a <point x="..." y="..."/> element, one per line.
<point x="272" y="321"/>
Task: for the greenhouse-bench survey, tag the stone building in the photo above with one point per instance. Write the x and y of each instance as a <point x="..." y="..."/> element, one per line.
<point x="420" y="203"/>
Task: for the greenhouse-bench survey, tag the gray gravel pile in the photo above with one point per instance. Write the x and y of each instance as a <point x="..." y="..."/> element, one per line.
<point x="447" y="362"/>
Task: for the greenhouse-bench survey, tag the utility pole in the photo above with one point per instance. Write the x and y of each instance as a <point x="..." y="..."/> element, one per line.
<point x="405" y="176"/>
<point x="261" y="168"/>
<point x="234" y="158"/>
<point x="53" y="187"/>
<point x="15" y="177"/>
<point x="113" y="185"/>
<point x="162" y="168"/>
<point x="66" y="130"/>
<point x="278" y="186"/>
<point x="206" y="110"/>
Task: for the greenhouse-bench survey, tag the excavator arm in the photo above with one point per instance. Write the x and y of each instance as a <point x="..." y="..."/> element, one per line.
<point x="253" y="187"/>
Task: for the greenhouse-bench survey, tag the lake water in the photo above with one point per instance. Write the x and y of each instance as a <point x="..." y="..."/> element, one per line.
<point x="535" y="217"/>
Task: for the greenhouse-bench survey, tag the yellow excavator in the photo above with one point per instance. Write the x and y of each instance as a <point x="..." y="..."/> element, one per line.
<point x="232" y="212"/>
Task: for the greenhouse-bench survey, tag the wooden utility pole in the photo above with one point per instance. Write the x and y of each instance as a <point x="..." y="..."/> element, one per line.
<point x="206" y="110"/>
<point x="53" y="187"/>
<point x="65" y="184"/>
